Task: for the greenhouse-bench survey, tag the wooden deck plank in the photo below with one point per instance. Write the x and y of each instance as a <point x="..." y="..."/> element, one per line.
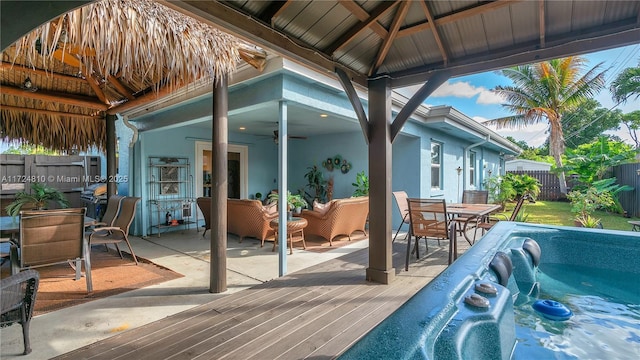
<point x="317" y="312"/>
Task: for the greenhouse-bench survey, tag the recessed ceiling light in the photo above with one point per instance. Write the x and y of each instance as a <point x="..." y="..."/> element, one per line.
<point x="243" y="128"/>
<point x="323" y="115"/>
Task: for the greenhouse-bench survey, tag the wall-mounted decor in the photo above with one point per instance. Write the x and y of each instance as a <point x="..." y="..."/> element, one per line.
<point x="169" y="180"/>
<point x="337" y="162"/>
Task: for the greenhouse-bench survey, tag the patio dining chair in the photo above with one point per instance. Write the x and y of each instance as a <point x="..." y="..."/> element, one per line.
<point x="18" y="297"/>
<point x="119" y="231"/>
<point x="49" y="237"/>
<point x="204" y="203"/>
<point x="468" y="223"/>
<point x="489" y="222"/>
<point x="427" y="219"/>
<point x="401" y="200"/>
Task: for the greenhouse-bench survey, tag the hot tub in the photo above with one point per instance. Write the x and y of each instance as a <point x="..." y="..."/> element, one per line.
<point x="448" y="320"/>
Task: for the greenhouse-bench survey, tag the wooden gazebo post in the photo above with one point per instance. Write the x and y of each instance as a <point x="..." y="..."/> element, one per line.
<point x="219" y="187"/>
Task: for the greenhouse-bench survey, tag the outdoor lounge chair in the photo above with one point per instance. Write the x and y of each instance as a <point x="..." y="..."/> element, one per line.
<point x="340" y="217"/>
<point x="401" y="200"/>
<point x="17" y="300"/>
<point x="427" y="219"/>
<point x="119" y="231"/>
<point x="49" y="237"/>
<point x="204" y="203"/>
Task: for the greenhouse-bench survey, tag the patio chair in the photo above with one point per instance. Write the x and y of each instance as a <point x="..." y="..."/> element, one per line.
<point x="401" y="200"/>
<point x="468" y="223"/>
<point x="119" y="231"/>
<point x="17" y="301"/>
<point x="488" y="224"/>
<point x="110" y="214"/>
<point x="427" y="219"/>
<point x="49" y="237"/>
<point x="204" y="203"/>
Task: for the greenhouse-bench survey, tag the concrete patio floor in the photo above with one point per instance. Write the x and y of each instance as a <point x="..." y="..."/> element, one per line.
<point x="185" y="252"/>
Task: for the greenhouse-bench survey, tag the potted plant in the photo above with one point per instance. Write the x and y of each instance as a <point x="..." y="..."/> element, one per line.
<point x="361" y="184"/>
<point x="316" y="183"/>
<point x="39" y="198"/>
<point x="295" y="202"/>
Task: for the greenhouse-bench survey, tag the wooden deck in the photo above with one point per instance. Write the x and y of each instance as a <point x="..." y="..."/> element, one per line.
<point x="315" y="313"/>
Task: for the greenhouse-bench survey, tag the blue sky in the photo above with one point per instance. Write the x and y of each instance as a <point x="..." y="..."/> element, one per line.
<point x="472" y="94"/>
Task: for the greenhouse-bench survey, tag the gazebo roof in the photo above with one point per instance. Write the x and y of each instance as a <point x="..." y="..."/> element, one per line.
<point x="60" y="80"/>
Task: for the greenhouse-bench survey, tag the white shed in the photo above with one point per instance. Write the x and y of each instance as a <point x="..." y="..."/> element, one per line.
<point x="526" y="165"/>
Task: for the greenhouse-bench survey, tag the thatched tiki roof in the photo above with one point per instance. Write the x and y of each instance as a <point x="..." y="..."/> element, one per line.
<point x="96" y="59"/>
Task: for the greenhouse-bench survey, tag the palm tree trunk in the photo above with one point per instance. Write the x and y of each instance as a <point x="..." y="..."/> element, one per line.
<point x="556" y="149"/>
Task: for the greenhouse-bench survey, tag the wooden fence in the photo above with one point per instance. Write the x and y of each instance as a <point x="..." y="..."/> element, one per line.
<point x="626" y="174"/>
<point x="69" y="174"/>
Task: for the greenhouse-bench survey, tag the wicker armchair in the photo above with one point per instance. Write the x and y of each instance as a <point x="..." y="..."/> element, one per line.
<point x="204" y="203"/>
<point x="18" y="298"/>
<point x="250" y="218"/>
<point x="343" y="217"/>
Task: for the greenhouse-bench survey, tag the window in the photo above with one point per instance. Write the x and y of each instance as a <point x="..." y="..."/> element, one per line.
<point x="436" y="162"/>
<point x="472" y="168"/>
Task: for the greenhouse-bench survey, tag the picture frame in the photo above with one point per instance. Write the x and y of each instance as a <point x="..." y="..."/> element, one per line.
<point x="169" y="180"/>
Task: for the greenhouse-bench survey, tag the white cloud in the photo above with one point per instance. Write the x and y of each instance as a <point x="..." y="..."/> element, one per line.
<point x="457" y="89"/>
<point x="490" y="98"/>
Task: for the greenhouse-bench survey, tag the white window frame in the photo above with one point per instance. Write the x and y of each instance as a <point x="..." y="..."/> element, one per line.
<point x="473" y="159"/>
<point x="437" y="166"/>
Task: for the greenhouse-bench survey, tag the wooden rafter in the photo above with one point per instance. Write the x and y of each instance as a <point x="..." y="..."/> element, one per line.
<point x="434" y="31"/>
<point x="363" y="15"/>
<point x="95" y="86"/>
<point x="50" y="112"/>
<point x="379" y="11"/>
<point x="143" y="99"/>
<point x="120" y="87"/>
<point x="75" y="100"/>
<point x="9" y="66"/>
<point x="401" y="14"/>
<point x="541" y="15"/>
<point x="456" y="16"/>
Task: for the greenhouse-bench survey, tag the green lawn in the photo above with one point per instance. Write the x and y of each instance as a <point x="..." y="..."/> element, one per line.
<point x="559" y="213"/>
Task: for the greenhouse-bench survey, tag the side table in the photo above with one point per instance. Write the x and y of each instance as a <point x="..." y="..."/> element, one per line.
<point x="294" y="225"/>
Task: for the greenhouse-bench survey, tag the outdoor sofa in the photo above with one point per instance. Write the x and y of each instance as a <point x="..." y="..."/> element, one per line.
<point x="337" y="217"/>
<point x="250" y="218"/>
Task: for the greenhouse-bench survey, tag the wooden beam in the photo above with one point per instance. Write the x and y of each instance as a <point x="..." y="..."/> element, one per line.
<point x="50" y="112"/>
<point x="456" y="16"/>
<point x="75" y="100"/>
<point x="148" y="97"/>
<point x="343" y="40"/>
<point x="416" y="100"/>
<point x="401" y="14"/>
<point x="541" y="15"/>
<point x="9" y="66"/>
<point x="434" y="31"/>
<point x="95" y="86"/>
<point x="355" y="102"/>
<point x="574" y="44"/>
<point x="121" y="88"/>
<point x="363" y="15"/>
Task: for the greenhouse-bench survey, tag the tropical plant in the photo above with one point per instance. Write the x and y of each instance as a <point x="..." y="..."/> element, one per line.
<point x="39" y="198"/>
<point x="545" y="92"/>
<point x="591" y="162"/>
<point x="632" y="122"/>
<point x="523" y="185"/>
<point x="589" y="221"/>
<point x="361" y="184"/>
<point x="316" y="183"/>
<point x="626" y="84"/>
<point x="584" y="203"/>
<point x="293" y="200"/>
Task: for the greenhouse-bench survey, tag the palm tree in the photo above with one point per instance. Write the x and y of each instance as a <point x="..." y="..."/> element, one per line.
<point x="545" y="92"/>
<point x="626" y="84"/>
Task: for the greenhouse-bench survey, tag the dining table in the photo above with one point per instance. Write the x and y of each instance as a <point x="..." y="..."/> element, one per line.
<point x="472" y="212"/>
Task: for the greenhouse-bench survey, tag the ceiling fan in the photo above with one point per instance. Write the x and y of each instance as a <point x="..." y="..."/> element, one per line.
<point x="276" y="137"/>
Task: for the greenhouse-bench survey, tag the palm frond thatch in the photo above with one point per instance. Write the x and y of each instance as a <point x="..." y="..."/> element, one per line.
<point x="109" y="52"/>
